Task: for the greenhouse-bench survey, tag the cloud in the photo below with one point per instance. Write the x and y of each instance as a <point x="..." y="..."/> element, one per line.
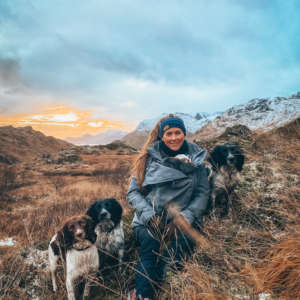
<point x="64" y="117"/>
<point x="9" y="73"/>
<point x="95" y="124"/>
<point x="169" y="55"/>
<point x="69" y="117"/>
<point x="63" y="121"/>
<point x="32" y="123"/>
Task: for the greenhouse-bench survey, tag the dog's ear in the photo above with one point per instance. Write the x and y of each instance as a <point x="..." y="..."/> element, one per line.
<point x="118" y="210"/>
<point x="92" y="212"/>
<point x="240" y="158"/>
<point x="216" y="157"/>
<point x="64" y="238"/>
<point x="90" y="229"/>
<point x="55" y="246"/>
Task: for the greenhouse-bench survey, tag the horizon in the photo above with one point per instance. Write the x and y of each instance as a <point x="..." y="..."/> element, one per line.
<point x="88" y="67"/>
<point x="52" y="117"/>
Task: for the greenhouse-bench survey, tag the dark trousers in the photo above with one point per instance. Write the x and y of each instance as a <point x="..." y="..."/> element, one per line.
<point x="153" y="257"/>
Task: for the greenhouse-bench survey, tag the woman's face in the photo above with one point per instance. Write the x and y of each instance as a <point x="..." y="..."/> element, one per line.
<point x="173" y="138"/>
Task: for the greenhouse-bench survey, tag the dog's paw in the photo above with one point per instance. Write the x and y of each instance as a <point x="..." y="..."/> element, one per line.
<point x="184" y="158"/>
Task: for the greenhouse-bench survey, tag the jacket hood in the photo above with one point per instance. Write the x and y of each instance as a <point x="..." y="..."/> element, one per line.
<point x="195" y="153"/>
<point x="160" y="169"/>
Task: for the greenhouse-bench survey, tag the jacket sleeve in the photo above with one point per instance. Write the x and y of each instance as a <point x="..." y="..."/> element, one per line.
<point x="143" y="209"/>
<point x="198" y="204"/>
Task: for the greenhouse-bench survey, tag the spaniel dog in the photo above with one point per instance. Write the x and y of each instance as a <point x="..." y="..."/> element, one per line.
<point x="107" y="214"/>
<point x="226" y="162"/>
<point x="74" y="244"/>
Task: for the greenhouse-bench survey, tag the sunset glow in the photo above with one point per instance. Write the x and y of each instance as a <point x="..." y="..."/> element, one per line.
<point x="62" y="121"/>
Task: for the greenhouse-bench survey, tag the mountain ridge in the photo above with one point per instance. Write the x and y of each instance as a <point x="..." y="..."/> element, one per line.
<point x="103" y="138"/>
<point x="25" y="143"/>
<point x="259" y="114"/>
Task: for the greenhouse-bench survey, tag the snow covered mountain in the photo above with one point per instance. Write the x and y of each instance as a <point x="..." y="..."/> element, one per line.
<point x="138" y="137"/>
<point x="258" y="114"/>
<point x="192" y="123"/>
<point x="103" y="138"/>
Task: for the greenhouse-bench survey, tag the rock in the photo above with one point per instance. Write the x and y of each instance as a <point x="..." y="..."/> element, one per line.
<point x="238" y="130"/>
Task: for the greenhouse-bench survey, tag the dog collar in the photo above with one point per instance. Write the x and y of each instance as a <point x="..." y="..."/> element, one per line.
<point x="80" y="246"/>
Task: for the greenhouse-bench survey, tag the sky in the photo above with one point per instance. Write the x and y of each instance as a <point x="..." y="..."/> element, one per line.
<point x="72" y="67"/>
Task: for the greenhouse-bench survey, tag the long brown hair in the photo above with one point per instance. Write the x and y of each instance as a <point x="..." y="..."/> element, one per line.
<point x="140" y="162"/>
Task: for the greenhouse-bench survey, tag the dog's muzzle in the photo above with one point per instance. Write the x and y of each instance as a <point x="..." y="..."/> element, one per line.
<point x="104" y="214"/>
<point x="230" y="159"/>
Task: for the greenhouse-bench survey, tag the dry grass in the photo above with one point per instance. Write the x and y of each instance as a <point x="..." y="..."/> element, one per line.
<point x="255" y="249"/>
<point x="195" y="284"/>
<point x="34" y="213"/>
<point x="279" y="271"/>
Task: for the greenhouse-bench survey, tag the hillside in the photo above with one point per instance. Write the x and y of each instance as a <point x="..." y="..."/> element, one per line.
<point x="253" y="253"/>
<point x="257" y="114"/>
<point x="275" y="138"/>
<point x="102" y="138"/>
<point x="136" y="138"/>
<point x="24" y="143"/>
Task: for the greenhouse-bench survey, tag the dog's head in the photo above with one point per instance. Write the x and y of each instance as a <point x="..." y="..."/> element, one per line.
<point x="107" y="209"/>
<point x="76" y="229"/>
<point x="228" y="154"/>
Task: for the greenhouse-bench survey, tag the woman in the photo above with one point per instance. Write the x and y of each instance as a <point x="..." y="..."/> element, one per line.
<point x="164" y="187"/>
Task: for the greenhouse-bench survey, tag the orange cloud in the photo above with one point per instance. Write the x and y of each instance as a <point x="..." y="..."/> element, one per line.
<point x="62" y="121"/>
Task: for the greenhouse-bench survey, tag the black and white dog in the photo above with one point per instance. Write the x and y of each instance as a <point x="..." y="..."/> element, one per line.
<point x="226" y="163"/>
<point x="107" y="214"/>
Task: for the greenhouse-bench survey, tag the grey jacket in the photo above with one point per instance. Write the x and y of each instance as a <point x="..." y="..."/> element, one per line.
<point x="167" y="181"/>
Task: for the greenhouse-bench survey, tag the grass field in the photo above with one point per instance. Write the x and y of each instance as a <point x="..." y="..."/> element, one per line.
<point x="254" y="250"/>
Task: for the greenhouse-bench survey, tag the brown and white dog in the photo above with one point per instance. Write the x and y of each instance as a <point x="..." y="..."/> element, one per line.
<point x="74" y="244"/>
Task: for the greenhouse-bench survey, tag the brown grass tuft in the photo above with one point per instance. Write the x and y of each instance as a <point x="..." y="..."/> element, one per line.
<point x="279" y="272"/>
<point x="195" y="284"/>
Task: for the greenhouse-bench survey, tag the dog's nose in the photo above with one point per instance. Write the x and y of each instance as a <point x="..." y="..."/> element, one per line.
<point x="230" y="157"/>
<point x="103" y="215"/>
<point x="79" y="233"/>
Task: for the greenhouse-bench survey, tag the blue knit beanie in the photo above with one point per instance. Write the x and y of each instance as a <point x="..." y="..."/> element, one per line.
<point x="171" y="122"/>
